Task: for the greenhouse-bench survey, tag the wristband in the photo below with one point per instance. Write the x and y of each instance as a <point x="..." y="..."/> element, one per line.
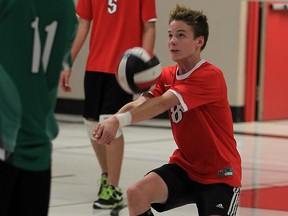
<point x="124" y="118"/>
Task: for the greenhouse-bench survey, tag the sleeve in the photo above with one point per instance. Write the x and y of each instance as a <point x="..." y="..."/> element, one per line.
<point x="84" y="9"/>
<point x="165" y="81"/>
<point x="148" y="10"/>
<point x="158" y="90"/>
<point x="198" y="90"/>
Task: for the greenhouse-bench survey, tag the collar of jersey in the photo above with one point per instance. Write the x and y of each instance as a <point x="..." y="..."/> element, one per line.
<point x="184" y="76"/>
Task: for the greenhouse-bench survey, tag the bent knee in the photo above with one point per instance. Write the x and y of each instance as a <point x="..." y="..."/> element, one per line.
<point x="133" y="191"/>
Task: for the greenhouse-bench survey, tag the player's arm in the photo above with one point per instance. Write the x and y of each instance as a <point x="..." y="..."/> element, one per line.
<point x="148" y="108"/>
<point x="149" y="34"/>
<point x="133" y="104"/>
<point x="153" y="107"/>
<point x="82" y="32"/>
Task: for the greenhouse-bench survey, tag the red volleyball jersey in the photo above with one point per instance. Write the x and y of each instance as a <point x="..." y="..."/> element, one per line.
<point x="116" y="27"/>
<point x="202" y="124"/>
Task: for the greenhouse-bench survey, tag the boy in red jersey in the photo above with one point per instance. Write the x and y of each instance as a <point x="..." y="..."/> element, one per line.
<point x="115" y="27"/>
<point x="206" y="167"/>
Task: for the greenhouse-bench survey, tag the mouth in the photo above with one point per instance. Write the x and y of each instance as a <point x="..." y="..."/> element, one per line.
<point x="174" y="50"/>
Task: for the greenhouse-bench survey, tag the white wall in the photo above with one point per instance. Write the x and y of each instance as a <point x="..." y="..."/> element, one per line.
<point x="225" y="47"/>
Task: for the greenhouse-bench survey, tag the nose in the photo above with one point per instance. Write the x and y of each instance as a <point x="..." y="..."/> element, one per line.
<point x="172" y="39"/>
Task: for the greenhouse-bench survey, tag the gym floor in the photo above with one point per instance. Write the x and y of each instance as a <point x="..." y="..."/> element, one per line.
<point x="263" y="147"/>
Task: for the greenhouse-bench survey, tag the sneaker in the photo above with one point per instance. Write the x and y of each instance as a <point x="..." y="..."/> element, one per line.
<point x="110" y="198"/>
<point x="103" y="182"/>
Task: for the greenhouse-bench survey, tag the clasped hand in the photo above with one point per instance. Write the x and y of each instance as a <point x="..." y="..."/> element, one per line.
<point x="105" y="131"/>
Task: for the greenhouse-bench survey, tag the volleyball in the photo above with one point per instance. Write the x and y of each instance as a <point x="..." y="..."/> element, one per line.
<point x="138" y="71"/>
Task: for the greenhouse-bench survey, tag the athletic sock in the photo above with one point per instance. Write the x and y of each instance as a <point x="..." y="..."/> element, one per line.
<point x="147" y="213"/>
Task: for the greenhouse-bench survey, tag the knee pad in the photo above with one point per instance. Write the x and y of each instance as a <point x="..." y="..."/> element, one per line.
<point x="105" y="116"/>
<point x="90" y="125"/>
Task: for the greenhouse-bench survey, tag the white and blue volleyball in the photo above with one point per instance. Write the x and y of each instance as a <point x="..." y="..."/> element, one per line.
<point x="138" y="71"/>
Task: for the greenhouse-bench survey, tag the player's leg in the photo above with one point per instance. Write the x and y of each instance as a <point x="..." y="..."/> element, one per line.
<point x="112" y="195"/>
<point x="100" y="152"/>
<point x="106" y="155"/>
<point x="115" y="153"/>
<point x="217" y="199"/>
<point x="112" y="99"/>
<point x="93" y="87"/>
<point x="109" y="156"/>
<point x="141" y="194"/>
<point x="164" y="188"/>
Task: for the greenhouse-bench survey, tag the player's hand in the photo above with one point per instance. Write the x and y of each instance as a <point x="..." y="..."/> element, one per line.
<point x="105" y="131"/>
<point x="64" y="80"/>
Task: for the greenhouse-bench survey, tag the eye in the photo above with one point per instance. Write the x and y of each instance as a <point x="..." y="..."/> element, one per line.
<point x="170" y="36"/>
<point x="180" y="35"/>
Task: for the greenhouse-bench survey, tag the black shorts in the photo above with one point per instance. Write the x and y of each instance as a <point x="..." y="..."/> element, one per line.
<point x="211" y="199"/>
<point x="24" y="192"/>
<point x="103" y="95"/>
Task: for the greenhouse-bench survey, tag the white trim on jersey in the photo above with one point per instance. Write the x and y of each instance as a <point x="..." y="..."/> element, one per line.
<point x="186" y="75"/>
<point x="180" y="98"/>
<point x="152" y="20"/>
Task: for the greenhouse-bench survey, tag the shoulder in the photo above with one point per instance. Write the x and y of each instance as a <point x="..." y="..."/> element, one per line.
<point x="209" y="70"/>
<point x="210" y="67"/>
<point x="169" y="72"/>
<point x="169" y="69"/>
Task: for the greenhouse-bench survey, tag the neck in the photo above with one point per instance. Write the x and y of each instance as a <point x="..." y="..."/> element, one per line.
<point x="184" y="68"/>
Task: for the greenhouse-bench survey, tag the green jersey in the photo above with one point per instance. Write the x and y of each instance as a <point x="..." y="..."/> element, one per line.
<point x="35" y="42"/>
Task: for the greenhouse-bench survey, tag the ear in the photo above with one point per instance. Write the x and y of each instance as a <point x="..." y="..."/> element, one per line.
<point x="200" y="41"/>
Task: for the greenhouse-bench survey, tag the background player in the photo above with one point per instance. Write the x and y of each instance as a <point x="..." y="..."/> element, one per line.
<point x="116" y="26"/>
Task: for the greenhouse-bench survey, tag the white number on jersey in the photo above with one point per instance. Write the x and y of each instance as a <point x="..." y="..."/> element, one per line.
<point x="176" y="113"/>
<point x="112" y="6"/>
<point x="37" y="50"/>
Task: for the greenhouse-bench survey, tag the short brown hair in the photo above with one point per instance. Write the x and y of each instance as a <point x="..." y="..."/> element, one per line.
<point x="196" y="19"/>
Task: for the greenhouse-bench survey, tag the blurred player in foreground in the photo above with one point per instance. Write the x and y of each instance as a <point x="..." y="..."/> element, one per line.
<point x="35" y="40"/>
